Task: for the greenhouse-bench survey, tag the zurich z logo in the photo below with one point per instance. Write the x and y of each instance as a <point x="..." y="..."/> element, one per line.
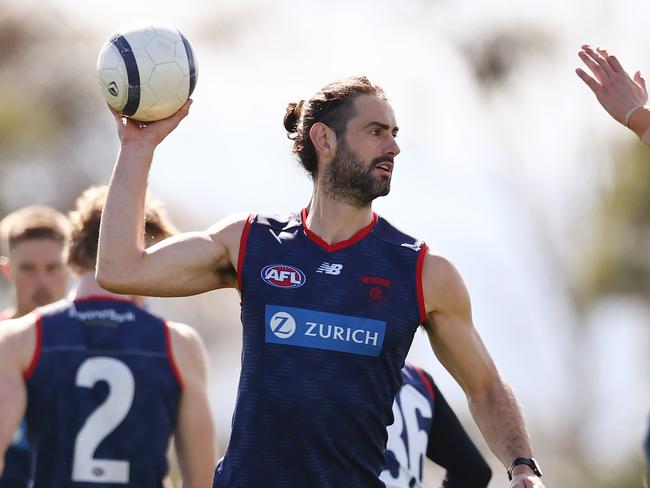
<point x="330" y="269"/>
<point x="283" y="276"/>
<point x="282" y="325"/>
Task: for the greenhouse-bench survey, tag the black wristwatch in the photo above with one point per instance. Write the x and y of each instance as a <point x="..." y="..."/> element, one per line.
<point x="527" y="461"/>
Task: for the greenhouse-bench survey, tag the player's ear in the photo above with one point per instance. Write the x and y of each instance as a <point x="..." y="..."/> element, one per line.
<point x="324" y="140"/>
<point x="5" y="267"/>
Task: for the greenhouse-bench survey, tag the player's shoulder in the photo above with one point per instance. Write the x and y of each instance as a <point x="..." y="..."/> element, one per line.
<point x="416" y="372"/>
<point x="439" y="265"/>
<point x="278" y="222"/>
<point x="236" y="223"/>
<point x="388" y="233"/>
<point x="233" y="223"/>
<point x="443" y="286"/>
<point x="54" y="308"/>
<point x="440" y="271"/>
<point x="185" y="338"/>
<point x="12" y="327"/>
<point x="418" y="377"/>
<point x="187" y="347"/>
<point x="18" y="338"/>
<point x="183" y="331"/>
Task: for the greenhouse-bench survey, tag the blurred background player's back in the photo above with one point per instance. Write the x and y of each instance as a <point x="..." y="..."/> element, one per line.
<point x="33" y="255"/>
<point x="106" y="382"/>
<point x="426" y="427"/>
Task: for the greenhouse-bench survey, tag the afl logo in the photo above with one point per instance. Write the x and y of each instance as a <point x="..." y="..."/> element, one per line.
<point x="283" y="276"/>
<point x="282" y="325"/>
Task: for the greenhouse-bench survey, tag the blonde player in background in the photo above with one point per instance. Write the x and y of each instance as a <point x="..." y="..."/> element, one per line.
<point x="103" y="382"/>
<point x="33" y="255"/>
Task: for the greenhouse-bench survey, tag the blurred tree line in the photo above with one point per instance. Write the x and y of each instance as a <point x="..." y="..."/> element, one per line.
<point x="614" y="265"/>
<point x="49" y="112"/>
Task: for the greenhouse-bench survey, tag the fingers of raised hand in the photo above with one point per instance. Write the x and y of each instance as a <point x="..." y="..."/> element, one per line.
<point x="612" y="60"/>
<point x="640" y="80"/>
<point x="617" y="71"/>
<point x="591" y="83"/>
<point x="596" y="62"/>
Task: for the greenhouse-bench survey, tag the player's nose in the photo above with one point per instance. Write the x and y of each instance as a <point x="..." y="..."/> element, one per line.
<point x="392" y="149"/>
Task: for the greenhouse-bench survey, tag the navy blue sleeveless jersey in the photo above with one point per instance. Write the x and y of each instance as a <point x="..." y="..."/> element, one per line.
<point x="326" y="329"/>
<point x="17" y="461"/>
<point x="17" y="458"/>
<point x="408" y="436"/>
<point x="103" y="394"/>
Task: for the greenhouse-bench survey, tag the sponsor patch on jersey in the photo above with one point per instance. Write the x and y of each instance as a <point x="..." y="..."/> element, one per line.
<point x="330" y="268"/>
<point x="320" y="330"/>
<point x="103" y="315"/>
<point x="283" y="276"/>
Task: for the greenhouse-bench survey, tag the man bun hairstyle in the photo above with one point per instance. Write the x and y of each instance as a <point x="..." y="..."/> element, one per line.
<point x="333" y="106"/>
<point x="86" y="219"/>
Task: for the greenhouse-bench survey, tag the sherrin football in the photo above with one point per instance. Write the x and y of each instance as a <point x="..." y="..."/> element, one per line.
<point x="147" y="71"/>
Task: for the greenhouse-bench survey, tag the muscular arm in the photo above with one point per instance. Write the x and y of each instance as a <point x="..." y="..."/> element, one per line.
<point x="451" y="447"/>
<point x="624" y="97"/>
<point x="460" y="349"/>
<point x="17" y="341"/>
<point x="182" y="265"/>
<point x="194" y="437"/>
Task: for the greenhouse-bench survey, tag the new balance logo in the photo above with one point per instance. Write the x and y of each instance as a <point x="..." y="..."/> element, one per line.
<point x="331" y="269"/>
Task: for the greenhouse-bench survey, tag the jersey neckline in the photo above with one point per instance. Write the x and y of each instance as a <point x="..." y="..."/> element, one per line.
<point x="339" y="245"/>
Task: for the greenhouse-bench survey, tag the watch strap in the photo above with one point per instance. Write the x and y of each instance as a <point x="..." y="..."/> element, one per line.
<point x="527" y="461"/>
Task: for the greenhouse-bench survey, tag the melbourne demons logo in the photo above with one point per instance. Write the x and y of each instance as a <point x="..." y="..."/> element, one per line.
<point x="283" y="276"/>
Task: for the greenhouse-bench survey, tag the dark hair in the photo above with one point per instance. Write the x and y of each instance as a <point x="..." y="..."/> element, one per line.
<point x="86" y="218"/>
<point x="333" y="106"/>
<point x="33" y="222"/>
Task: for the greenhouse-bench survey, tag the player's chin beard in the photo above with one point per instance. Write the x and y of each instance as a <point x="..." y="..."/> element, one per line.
<point x="349" y="179"/>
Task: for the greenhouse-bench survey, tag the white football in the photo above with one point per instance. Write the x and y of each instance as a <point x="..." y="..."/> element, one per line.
<point x="147" y="71"/>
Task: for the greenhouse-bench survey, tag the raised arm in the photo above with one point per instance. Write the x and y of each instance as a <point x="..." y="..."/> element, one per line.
<point x="17" y="343"/>
<point x="194" y="437"/>
<point x="624" y="97"/>
<point x="460" y="349"/>
<point x="182" y="265"/>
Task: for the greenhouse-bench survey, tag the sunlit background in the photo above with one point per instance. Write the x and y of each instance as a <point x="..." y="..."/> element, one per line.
<point x="509" y="167"/>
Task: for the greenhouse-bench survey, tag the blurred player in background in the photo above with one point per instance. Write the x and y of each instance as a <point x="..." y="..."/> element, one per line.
<point x="425" y="426"/>
<point x="625" y="98"/>
<point x="105" y="384"/>
<point x="33" y="255"/>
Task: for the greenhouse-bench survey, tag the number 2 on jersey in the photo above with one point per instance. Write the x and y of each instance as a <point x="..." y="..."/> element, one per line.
<point x="103" y="420"/>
